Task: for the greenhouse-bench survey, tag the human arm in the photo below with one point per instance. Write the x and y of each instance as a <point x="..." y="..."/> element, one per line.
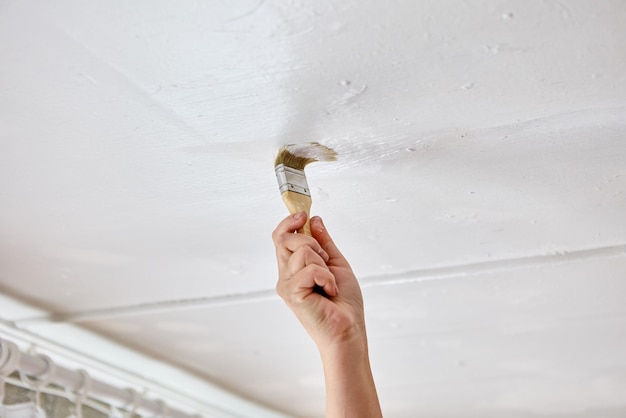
<point x="333" y="318"/>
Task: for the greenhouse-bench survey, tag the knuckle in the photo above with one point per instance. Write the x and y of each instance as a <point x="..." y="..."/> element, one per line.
<point x="280" y="239"/>
<point x="315" y="269"/>
<point x="308" y="253"/>
<point x="276" y="234"/>
<point x="318" y="272"/>
<point x="281" y="289"/>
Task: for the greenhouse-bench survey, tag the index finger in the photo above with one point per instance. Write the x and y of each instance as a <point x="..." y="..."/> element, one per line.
<point x="287" y="241"/>
<point x="289" y="225"/>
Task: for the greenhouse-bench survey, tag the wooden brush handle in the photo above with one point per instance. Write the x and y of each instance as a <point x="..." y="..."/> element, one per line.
<point x="297" y="202"/>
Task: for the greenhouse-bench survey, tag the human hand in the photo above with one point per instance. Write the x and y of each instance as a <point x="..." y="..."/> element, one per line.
<point x="308" y="264"/>
<point x="317" y="283"/>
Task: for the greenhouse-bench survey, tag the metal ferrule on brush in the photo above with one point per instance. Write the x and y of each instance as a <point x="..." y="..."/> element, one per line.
<point x="291" y="179"/>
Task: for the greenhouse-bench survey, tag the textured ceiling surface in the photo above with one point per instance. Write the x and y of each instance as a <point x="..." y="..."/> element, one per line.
<point x="480" y="190"/>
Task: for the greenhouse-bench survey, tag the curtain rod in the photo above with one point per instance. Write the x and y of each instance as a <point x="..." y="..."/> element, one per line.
<point x="42" y="371"/>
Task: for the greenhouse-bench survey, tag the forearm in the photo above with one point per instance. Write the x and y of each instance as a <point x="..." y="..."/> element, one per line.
<point x="333" y="318"/>
<point x="350" y="388"/>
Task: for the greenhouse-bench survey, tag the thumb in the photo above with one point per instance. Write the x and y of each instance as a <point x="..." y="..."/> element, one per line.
<point x="320" y="233"/>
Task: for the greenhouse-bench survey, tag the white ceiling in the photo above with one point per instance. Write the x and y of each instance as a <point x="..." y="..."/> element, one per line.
<point x="480" y="192"/>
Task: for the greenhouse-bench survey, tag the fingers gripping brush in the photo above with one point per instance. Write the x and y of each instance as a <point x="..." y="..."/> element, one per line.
<point x="289" y="167"/>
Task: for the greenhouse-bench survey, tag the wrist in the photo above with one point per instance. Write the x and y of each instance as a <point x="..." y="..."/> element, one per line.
<point x="349" y="348"/>
<point x="353" y="339"/>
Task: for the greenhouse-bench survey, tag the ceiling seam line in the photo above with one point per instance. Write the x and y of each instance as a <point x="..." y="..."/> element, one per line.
<point x="473" y="269"/>
<point x="392" y="279"/>
<point x="152" y="307"/>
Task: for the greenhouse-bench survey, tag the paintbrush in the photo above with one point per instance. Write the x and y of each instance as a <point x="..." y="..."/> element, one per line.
<point x="289" y="167"/>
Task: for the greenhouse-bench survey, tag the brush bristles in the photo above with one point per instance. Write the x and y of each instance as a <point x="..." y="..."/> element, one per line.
<point x="286" y="158"/>
<point x="299" y="156"/>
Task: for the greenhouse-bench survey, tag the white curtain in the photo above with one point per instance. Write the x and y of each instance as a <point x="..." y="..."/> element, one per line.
<point x="49" y="394"/>
<point x="21" y="401"/>
<point x="22" y="410"/>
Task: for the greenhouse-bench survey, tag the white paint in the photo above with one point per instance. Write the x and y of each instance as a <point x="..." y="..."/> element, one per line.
<point x="478" y="142"/>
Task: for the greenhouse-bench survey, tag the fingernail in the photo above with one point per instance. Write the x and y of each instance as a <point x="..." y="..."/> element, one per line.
<point x="298" y="216"/>
<point x="324" y="255"/>
<point x="320" y="224"/>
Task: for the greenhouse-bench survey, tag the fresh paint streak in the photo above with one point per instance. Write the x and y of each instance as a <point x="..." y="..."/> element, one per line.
<point x="479" y="192"/>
